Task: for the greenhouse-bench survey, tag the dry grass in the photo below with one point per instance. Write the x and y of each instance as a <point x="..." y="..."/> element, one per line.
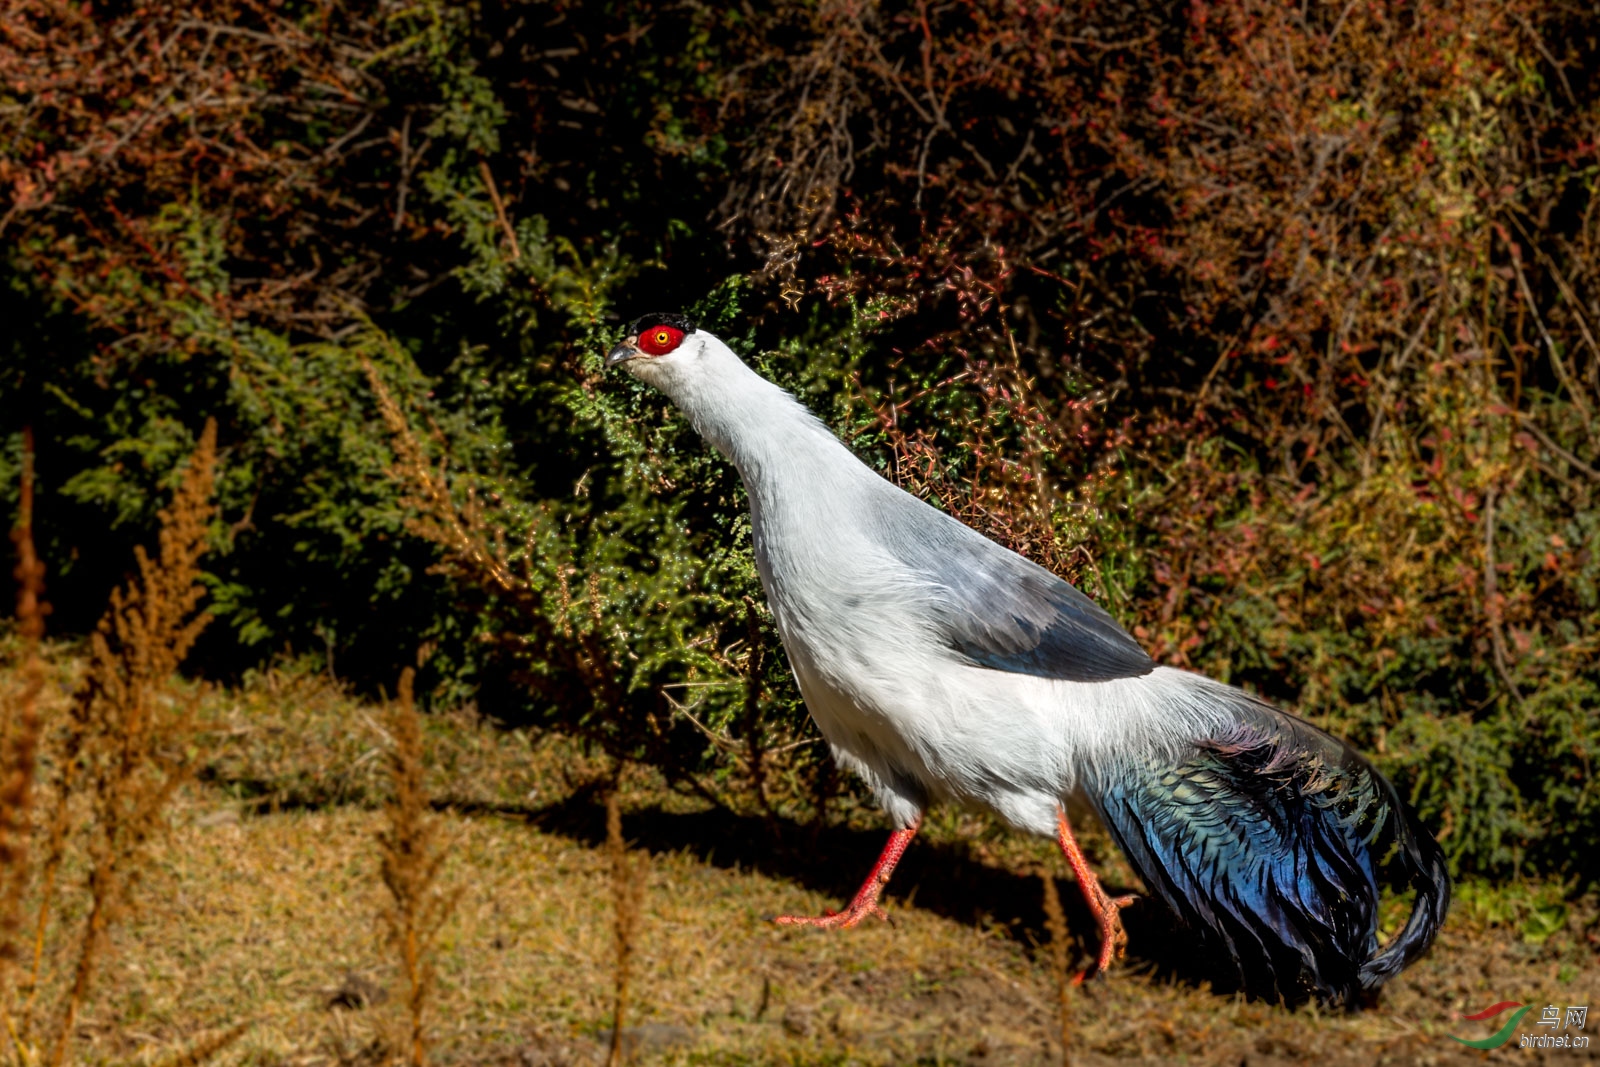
<point x="122" y="750"/>
<point x="627" y="891"/>
<point x="412" y="858"/>
<point x="20" y="731"/>
<point x="1056" y="923"/>
<point x="126" y="737"/>
<point x="259" y="914"/>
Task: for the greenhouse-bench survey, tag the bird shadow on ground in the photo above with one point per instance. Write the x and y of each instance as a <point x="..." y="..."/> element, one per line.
<point x="934" y="876"/>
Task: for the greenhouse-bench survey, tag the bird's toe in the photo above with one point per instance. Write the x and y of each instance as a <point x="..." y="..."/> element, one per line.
<point x="835" y="920"/>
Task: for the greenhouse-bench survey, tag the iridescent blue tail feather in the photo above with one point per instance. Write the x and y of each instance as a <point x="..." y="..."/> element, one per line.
<point x="1274" y="839"/>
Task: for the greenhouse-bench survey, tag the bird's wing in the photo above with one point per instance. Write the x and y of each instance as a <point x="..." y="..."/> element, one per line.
<point x="1272" y="838"/>
<point x="995" y="609"/>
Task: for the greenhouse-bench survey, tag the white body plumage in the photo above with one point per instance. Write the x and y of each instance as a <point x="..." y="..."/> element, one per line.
<point x="912" y="718"/>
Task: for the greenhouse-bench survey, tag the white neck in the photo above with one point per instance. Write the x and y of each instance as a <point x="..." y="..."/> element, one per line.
<point x="758" y="426"/>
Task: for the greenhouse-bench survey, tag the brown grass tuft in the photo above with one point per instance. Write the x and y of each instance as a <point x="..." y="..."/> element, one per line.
<point x="124" y="747"/>
<point x="627" y="888"/>
<point x="412" y="859"/>
<point x="20" y="730"/>
<point x="1056" y="923"/>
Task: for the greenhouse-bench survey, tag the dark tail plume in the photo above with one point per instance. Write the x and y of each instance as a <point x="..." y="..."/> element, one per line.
<point x="1273" y="839"/>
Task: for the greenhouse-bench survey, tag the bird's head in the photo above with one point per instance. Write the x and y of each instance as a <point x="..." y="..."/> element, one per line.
<point x="659" y="347"/>
<point x="704" y="378"/>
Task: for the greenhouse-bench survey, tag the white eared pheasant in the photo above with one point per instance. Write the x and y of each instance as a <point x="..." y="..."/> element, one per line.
<point x="943" y="668"/>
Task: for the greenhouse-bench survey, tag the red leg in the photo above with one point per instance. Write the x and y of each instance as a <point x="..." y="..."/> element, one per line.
<point x="866" y="898"/>
<point x="1104" y="908"/>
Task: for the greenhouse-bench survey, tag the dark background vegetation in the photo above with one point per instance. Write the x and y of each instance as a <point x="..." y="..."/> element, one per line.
<point x="1276" y="327"/>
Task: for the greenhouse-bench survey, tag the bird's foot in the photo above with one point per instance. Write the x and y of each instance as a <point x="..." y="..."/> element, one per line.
<point x="1113" y="938"/>
<point x="866" y="899"/>
<point x="1105" y="908"/>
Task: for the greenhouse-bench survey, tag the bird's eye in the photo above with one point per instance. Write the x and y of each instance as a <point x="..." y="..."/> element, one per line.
<point x="660" y="341"/>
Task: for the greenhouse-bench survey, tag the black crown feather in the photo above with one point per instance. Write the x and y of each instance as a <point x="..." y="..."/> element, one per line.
<point x="650" y="322"/>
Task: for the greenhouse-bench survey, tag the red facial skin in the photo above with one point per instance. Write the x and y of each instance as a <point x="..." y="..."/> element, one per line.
<point x="659" y="340"/>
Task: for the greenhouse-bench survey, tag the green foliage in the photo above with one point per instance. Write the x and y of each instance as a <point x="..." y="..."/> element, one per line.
<point x="1313" y="411"/>
<point x="622" y="595"/>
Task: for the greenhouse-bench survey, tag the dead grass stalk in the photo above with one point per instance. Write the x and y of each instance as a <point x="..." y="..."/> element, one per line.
<point x="20" y="731"/>
<point x="1056" y="923"/>
<point x="627" y="888"/>
<point x="413" y="856"/>
<point x="125" y="745"/>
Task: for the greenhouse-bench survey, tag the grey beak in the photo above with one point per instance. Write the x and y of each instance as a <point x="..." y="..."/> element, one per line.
<point x="621" y="354"/>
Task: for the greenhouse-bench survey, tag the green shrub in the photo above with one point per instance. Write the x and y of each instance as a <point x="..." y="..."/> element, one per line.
<point x="1271" y="326"/>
